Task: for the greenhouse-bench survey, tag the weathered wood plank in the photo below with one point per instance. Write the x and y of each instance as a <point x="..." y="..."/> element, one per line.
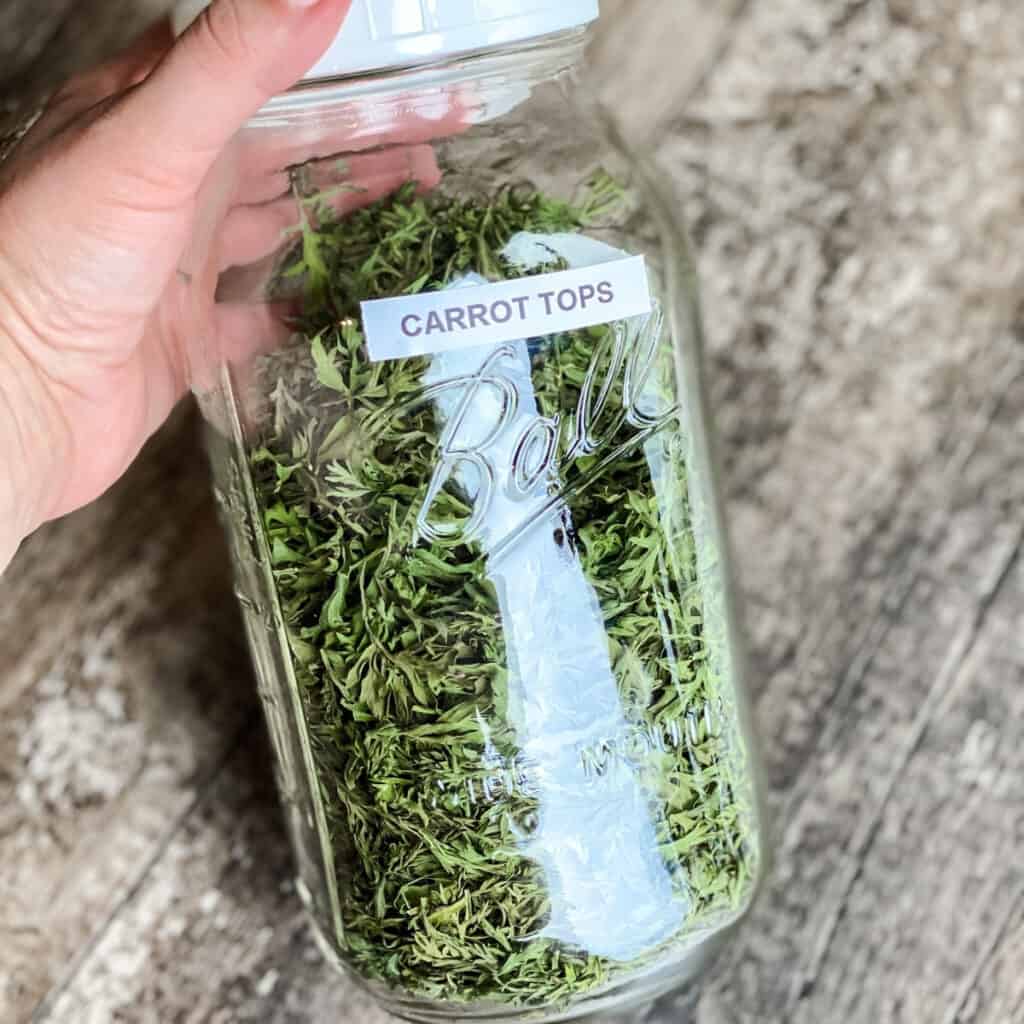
<point x="854" y="360"/>
<point x="126" y="682"/>
<point x="848" y="350"/>
<point x="939" y="911"/>
<point x="216" y="933"/>
<point x="857" y="915"/>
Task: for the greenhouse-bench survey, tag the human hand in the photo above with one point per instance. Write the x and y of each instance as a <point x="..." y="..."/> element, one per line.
<point x="102" y="274"/>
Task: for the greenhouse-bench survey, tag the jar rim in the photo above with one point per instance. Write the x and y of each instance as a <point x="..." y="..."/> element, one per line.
<point x="564" y="48"/>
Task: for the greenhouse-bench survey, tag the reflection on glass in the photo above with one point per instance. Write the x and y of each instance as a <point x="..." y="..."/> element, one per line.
<point x="593" y="833"/>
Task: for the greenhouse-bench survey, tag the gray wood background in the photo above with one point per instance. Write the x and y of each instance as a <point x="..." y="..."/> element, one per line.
<point x="855" y="183"/>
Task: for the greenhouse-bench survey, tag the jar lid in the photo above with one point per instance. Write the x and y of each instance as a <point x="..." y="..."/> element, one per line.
<point x="380" y="34"/>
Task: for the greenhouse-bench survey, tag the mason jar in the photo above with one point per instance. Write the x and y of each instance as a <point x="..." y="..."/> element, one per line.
<point x="461" y="446"/>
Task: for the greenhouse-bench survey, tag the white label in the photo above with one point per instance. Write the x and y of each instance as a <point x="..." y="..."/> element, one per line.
<point x="490" y="314"/>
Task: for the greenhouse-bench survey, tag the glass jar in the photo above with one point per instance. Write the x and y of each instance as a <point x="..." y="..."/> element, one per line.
<point x="461" y="447"/>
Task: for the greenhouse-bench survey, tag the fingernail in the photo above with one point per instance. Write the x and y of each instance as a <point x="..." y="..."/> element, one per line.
<point x="302" y="3"/>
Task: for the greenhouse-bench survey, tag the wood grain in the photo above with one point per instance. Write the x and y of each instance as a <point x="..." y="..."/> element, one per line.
<point x="853" y="173"/>
<point x="127" y="684"/>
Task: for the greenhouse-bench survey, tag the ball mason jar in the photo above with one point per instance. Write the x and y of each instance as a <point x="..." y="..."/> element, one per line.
<point x="461" y="448"/>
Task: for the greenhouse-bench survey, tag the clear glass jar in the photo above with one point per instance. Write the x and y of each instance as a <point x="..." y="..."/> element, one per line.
<point x="484" y="573"/>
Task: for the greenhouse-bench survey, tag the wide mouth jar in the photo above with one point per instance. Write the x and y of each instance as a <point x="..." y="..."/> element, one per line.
<point x="462" y="449"/>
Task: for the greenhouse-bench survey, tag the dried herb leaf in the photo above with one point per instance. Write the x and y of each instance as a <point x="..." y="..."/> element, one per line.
<point x="399" y="649"/>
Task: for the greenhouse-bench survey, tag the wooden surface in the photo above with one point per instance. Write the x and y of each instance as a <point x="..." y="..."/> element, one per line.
<point x="855" y="179"/>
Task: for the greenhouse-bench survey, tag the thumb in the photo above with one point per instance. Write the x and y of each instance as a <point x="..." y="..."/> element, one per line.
<point x="231" y="61"/>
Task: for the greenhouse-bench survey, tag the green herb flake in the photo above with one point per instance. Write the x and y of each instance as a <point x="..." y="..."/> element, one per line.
<point x="398" y="646"/>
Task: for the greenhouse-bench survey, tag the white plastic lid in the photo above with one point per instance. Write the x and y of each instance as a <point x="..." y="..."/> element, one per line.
<point x="380" y="34"/>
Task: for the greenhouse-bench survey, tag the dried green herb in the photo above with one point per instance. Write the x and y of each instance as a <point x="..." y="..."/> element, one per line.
<point x="398" y="644"/>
